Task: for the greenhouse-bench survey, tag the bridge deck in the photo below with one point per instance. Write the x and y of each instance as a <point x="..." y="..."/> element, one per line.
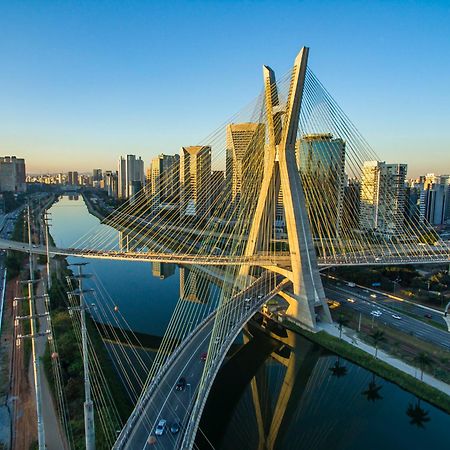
<point x="162" y="401"/>
<point x="262" y="260"/>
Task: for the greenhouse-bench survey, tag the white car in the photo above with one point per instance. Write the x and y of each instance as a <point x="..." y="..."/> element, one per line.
<point x="373" y="295"/>
<point x="376" y="313"/>
<point x="351" y="300"/>
<point x="395" y="316"/>
<point x="161" y="427"/>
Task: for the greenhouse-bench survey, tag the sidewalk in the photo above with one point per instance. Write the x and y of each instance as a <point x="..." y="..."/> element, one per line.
<point x="349" y="335"/>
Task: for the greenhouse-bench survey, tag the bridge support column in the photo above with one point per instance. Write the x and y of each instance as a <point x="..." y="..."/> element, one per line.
<point x="281" y="172"/>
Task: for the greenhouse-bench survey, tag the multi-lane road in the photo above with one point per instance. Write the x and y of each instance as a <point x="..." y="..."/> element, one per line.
<point x="163" y="401"/>
<point x="365" y="304"/>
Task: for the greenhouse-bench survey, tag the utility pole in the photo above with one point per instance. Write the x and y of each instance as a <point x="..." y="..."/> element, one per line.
<point x="89" y="424"/>
<point x="47" y="225"/>
<point x="36" y="362"/>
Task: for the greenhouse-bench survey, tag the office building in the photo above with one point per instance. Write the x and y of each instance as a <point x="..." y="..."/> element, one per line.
<point x="131" y="177"/>
<point x="195" y="181"/>
<point x="163" y="179"/>
<point x="383" y="198"/>
<point x="72" y="178"/>
<point x="321" y="162"/>
<point x="244" y="161"/>
<point x="12" y="174"/>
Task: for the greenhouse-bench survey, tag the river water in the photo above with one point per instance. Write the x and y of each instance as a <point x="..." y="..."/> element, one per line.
<point x="303" y="398"/>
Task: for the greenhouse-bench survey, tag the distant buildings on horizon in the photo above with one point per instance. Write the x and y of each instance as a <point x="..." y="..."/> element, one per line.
<point x="380" y="201"/>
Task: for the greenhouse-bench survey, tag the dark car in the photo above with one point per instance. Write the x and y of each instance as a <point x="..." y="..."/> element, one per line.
<point x="181" y="384"/>
<point x="203" y="356"/>
<point x="175" y="427"/>
<point x="428" y="316"/>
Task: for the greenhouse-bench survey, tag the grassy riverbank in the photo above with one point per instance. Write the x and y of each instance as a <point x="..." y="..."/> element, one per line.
<point x="388" y="372"/>
<point x="70" y="359"/>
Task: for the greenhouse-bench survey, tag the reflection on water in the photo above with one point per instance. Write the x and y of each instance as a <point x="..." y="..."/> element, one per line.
<point x="275" y="393"/>
<point x="303" y="397"/>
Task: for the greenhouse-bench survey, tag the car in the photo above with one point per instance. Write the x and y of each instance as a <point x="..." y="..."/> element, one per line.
<point x="175" y="427"/>
<point x="203" y="356"/>
<point x="428" y="316"/>
<point x="395" y="316"/>
<point x="260" y="296"/>
<point x="247" y="300"/>
<point x="351" y="300"/>
<point x="376" y="313"/>
<point x="161" y="427"/>
<point x="373" y="295"/>
<point x="181" y="384"/>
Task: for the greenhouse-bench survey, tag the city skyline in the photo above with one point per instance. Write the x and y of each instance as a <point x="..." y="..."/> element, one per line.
<point x="79" y="105"/>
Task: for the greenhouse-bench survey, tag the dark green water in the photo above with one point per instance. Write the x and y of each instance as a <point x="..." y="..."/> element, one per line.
<point x="299" y="399"/>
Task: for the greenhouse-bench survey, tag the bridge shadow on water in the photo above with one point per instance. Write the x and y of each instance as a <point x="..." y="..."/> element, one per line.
<point x="280" y="391"/>
<point x="262" y="342"/>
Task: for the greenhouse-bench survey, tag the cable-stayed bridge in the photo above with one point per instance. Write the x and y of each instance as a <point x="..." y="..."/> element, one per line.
<point x="301" y="190"/>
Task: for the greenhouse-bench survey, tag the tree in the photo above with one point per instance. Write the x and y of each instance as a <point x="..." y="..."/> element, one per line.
<point x="377" y="337"/>
<point x="424" y="361"/>
<point x="342" y="321"/>
<point x="372" y="392"/>
<point x="337" y="370"/>
<point x="418" y="416"/>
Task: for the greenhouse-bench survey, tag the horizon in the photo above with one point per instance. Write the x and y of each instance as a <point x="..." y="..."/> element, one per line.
<point x="86" y="83"/>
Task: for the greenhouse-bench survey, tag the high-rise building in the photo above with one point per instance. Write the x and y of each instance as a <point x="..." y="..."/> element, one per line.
<point x="164" y="181"/>
<point x="111" y="183"/>
<point x="352" y="200"/>
<point x="435" y="199"/>
<point x="244" y="159"/>
<point x="383" y="197"/>
<point x="195" y="181"/>
<point x="218" y="198"/>
<point x="131" y="177"/>
<point x="12" y="174"/>
<point x="321" y="162"/>
<point x="97" y="176"/>
<point x="72" y="178"/>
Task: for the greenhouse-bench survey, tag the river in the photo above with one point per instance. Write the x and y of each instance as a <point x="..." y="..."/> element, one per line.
<point x="300" y="399"/>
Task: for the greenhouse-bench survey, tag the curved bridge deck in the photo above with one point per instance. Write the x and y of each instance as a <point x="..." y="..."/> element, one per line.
<point x="162" y="401"/>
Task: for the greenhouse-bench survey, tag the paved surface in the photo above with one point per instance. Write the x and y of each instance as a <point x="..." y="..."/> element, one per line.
<point x="365" y="304"/>
<point x="167" y="403"/>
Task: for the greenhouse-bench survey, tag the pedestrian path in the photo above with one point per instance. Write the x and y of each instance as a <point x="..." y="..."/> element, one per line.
<point x="349" y="335"/>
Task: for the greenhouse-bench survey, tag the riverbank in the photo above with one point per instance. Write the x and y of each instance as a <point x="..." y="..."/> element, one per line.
<point x="430" y="389"/>
<point x="95" y="211"/>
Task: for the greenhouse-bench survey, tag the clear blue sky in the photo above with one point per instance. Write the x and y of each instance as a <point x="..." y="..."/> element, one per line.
<point x="82" y="82"/>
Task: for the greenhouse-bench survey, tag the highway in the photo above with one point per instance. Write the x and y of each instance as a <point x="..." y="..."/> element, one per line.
<point x="162" y="400"/>
<point x="365" y="304"/>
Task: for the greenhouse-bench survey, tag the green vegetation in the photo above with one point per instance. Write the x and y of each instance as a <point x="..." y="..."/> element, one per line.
<point x="380" y="368"/>
<point x="401" y="345"/>
<point x="72" y="366"/>
<point x="14" y="260"/>
<point x="377" y="337"/>
<point x="432" y="289"/>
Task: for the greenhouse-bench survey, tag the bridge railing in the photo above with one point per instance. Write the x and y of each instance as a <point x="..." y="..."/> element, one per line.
<point x="145" y="397"/>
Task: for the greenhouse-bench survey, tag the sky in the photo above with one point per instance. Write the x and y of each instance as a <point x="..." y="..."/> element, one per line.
<point x="82" y="82"/>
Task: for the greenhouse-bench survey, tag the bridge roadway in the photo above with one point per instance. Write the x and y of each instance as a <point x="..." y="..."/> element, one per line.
<point x="161" y="400"/>
<point x="268" y="261"/>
